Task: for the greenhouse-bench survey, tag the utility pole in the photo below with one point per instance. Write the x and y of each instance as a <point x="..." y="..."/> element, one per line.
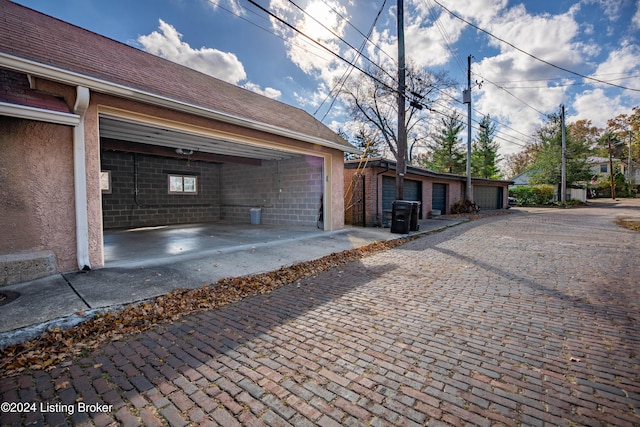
<point x="466" y="98"/>
<point x="401" y="164"/>
<point x="613" y="185"/>
<point x="563" y="175"/>
<point x="629" y="175"/>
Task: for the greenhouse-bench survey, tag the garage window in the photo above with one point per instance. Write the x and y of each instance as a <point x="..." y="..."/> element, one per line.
<point x="183" y="184"/>
<point x="105" y="182"/>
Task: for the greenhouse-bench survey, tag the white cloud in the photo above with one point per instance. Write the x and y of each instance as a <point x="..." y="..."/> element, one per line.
<point x="480" y="12"/>
<point x="303" y="50"/>
<point x="611" y="8"/>
<point x="431" y="46"/>
<point x="269" y="92"/>
<point x="533" y="33"/>
<point x="636" y="17"/>
<point x="527" y="89"/>
<point x="597" y="106"/>
<point x="307" y="55"/>
<point x="233" y="5"/>
<point x="167" y="43"/>
<point x="619" y="64"/>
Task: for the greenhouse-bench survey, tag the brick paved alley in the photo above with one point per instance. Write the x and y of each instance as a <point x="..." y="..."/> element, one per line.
<point x="524" y="319"/>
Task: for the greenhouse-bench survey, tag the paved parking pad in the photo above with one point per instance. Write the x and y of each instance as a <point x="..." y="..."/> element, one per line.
<point x="525" y="319"/>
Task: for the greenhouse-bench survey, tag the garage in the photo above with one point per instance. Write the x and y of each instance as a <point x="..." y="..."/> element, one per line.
<point x="153" y="176"/>
<point x="412" y="191"/>
<point x="488" y="197"/>
<point x="122" y="139"/>
<point x="436" y="191"/>
<point x="439" y="197"/>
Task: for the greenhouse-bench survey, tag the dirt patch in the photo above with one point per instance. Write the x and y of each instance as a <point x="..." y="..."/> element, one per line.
<point x="631" y="224"/>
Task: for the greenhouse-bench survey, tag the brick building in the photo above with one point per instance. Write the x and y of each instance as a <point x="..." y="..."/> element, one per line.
<point x="370" y="191"/>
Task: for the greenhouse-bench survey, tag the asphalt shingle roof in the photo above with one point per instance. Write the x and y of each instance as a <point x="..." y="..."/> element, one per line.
<point x="31" y="35"/>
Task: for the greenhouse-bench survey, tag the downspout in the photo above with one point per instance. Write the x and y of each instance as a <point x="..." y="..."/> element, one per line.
<point x="80" y="181"/>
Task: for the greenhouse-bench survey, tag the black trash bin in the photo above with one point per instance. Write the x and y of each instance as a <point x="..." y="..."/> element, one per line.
<point x="401" y="216"/>
<point x="415" y="215"/>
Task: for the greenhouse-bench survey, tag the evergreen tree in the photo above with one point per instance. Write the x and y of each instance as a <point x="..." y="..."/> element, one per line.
<point x="446" y="151"/>
<point x="548" y="158"/>
<point x="363" y="141"/>
<point x="484" y="151"/>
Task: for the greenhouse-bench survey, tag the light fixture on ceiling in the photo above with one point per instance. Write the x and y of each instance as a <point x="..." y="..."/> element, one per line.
<point x="184" y="151"/>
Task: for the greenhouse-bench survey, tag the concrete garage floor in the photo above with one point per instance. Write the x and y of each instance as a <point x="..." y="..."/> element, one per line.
<point x="147" y="262"/>
<point x="170" y="243"/>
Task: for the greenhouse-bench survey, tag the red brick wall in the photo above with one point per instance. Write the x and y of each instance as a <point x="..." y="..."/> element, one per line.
<point x="373" y="193"/>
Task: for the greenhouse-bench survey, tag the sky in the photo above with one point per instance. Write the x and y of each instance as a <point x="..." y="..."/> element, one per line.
<point x="528" y="57"/>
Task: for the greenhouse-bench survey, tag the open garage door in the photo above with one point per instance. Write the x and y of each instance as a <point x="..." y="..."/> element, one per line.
<point x="153" y="175"/>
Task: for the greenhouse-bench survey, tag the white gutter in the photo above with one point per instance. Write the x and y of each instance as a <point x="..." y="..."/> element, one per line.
<point x="38" y="114"/>
<point x="80" y="181"/>
<point x="98" y="85"/>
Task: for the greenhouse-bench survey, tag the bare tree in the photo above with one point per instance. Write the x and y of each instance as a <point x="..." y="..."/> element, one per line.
<point x="372" y="100"/>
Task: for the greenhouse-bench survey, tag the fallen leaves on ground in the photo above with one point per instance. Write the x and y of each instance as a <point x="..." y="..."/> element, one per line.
<point x="629" y="223"/>
<point x="55" y="346"/>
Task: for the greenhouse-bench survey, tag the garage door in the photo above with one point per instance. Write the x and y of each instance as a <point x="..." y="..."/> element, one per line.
<point x="439" y="197"/>
<point x="488" y="197"/>
<point x="412" y="191"/>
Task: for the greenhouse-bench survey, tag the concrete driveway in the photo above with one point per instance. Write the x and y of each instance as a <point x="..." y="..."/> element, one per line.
<point x="526" y="319"/>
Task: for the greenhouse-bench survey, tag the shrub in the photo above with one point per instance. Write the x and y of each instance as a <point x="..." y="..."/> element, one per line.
<point x="543" y="194"/>
<point x="528" y="195"/>
<point x="523" y="195"/>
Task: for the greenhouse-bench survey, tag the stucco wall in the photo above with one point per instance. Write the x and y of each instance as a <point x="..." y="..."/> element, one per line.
<point x="36" y="191"/>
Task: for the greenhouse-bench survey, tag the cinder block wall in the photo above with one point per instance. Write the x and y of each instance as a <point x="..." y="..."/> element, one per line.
<point x="153" y="204"/>
<point x="287" y="191"/>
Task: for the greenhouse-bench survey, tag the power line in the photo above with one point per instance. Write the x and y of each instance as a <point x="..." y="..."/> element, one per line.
<point x="358" y="53"/>
<point x="481" y="113"/>
<point x="478" y="127"/>
<point x="265" y="29"/>
<point x="337" y="55"/>
<point x="515" y="97"/>
<point x="565" y="78"/>
<point x="366" y="36"/>
<point x="563" y="85"/>
<point x="347" y="73"/>
<point x="531" y="55"/>
<point x="445" y="35"/>
<point x="351" y="65"/>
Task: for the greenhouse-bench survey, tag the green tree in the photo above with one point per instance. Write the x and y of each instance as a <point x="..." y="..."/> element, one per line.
<point x="484" y="151"/>
<point x="366" y="141"/>
<point x="627" y="128"/>
<point x="521" y="161"/>
<point x="547" y="165"/>
<point x="445" y="150"/>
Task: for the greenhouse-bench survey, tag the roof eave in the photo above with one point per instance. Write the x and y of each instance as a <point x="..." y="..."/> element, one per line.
<point x="103" y="86"/>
